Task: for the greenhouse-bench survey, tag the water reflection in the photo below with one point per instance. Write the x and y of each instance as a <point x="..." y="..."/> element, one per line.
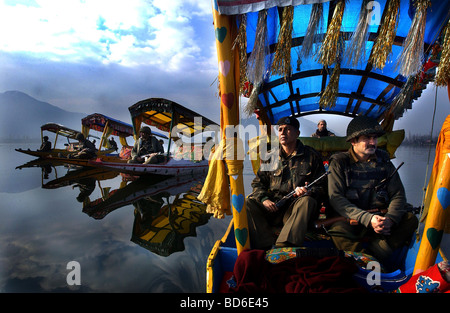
<point x="44" y="227"/>
<point x="166" y="210"/>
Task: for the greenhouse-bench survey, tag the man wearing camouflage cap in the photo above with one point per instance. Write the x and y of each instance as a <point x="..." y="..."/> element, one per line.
<point x="147" y="148"/>
<point x="356" y="192"/>
<point x="295" y="166"/>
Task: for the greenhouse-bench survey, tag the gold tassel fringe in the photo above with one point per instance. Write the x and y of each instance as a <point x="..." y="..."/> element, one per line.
<point x="401" y="102"/>
<point x="411" y="58"/>
<point x="241" y="43"/>
<point x="282" y="59"/>
<point x="312" y="32"/>
<point x="356" y="50"/>
<point x="256" y="63"/>
<point x="443" y="73"/>
<point x="329" y="50"/>
<point x="386" y="36"/>
<point x="329" y="95"/>
<point x="252" y="103"/>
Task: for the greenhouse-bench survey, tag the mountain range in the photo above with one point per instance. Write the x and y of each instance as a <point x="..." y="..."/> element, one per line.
<point x="22" y="116"/>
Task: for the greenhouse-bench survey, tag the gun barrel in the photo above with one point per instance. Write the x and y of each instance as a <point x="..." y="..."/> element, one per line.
<point x="308" y="187"/>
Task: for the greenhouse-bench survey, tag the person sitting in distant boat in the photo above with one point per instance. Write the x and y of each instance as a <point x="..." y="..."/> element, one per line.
<point x="113" y="143"/>
<point x="46" y="145"/>
<point x="322" y="130"/>
<point x="86" y="149"/>
<point x="147" y="149"/>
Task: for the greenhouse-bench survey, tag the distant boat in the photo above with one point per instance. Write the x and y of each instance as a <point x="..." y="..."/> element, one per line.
<point x="165" y="114"/>
<point x="59" y="130"/>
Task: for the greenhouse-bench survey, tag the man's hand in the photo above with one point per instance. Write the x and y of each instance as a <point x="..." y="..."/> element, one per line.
<point x="381" y="225"/>
<point x="270" y="205"/>
<point x="300" y="191"/>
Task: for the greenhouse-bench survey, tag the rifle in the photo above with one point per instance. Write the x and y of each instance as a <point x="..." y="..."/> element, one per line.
<point x="308" y="187"/>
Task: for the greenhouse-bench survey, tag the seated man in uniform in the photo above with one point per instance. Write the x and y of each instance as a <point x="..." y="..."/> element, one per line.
<point x="354" y="174"/>
<point x="86" y="149"/>
<point x="296" y="165"/>
<point x="147" y="149"/>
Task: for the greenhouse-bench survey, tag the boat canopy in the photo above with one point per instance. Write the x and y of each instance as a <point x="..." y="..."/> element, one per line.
<point x="109" y="126"/>
<point x="60" y="129"/>
<point x="345" y="57"/>
<point x="165" y="114"/>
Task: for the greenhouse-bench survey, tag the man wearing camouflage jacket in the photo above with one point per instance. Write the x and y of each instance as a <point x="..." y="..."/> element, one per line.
<point x="356" y="192"/>
<point x="295" y="166"/>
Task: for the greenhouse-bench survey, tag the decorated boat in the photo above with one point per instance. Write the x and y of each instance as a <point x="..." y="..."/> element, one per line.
<point x="171" y="117"/>
<point x="348" y="58"/>
<point x="109" y="126"/>
<point x="58" y="130"/>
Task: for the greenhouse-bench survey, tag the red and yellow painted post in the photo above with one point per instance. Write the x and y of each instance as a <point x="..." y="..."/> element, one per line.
<point x="228" y="60"/>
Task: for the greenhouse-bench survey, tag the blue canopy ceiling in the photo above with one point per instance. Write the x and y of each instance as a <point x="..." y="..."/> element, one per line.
<point x="362" y="89"/>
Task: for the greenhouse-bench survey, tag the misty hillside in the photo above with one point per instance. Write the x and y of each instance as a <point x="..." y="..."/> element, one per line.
<point x="21" y="116"/>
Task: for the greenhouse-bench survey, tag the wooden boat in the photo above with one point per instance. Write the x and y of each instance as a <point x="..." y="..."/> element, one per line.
<point x="166" y="115"/>
<point x="109" y="126"/>
<point x="58" y="130"/>
<point x="254" y="43"/>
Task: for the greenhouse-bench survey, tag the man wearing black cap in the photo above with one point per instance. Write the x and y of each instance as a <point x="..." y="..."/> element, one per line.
<point x="356" y="192"/>
<point x="296" y="165"/>
<point x="147" y="148"/>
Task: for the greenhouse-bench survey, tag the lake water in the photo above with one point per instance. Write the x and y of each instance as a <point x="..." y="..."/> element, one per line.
<point x="43" y="229"/>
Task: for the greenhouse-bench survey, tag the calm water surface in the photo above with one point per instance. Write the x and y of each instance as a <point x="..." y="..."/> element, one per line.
<point x="42" y="229"/>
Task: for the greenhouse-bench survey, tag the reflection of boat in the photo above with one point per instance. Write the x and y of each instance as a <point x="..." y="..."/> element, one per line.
<point x="140" y="188"/>
<point x="162" y="231"/>
<point x="166" y="115"/>
<point x="59" y="130"/>
<point x="39" y="163"/>
<point x="47" y="166"/>
<point x="341" y="85"/>
<point x="81" y="173"/>
<point x="166" y="210"/>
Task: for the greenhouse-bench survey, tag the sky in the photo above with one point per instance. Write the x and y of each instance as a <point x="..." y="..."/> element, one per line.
<point x="105" y="55"/>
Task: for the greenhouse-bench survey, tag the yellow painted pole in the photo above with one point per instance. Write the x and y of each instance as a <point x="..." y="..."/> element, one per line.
<point x="437" y="215"/>
<point x="228" y="60"/>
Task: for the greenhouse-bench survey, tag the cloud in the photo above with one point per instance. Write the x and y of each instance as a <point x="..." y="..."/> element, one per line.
<point x="130" y="33"/>
<point x="103" y="55"/>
